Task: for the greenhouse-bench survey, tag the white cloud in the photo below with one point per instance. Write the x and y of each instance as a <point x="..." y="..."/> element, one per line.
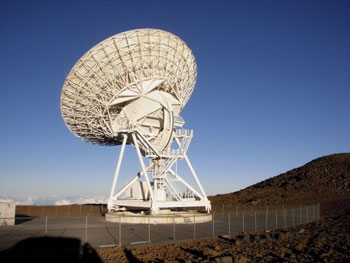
<point x="82" y="200"/>
<point x="29" y="201"/>
<point x="93" y="200"/>
<point x="55" y="200"/>
<point x="21" y="201"/>
<point x="6" y="200"/>
<point x="63" y="202"/>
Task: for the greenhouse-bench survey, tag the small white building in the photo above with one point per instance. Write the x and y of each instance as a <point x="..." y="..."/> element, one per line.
<point x="7" y="213"/>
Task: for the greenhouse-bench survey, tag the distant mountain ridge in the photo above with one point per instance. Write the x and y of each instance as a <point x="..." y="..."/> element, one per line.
<point x="323" y="179"/>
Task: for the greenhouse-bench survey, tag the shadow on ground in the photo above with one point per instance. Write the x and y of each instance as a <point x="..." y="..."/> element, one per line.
<point x="20" y="219"/>
<point x="130" y="257"/>
<point x="50" y="249"/>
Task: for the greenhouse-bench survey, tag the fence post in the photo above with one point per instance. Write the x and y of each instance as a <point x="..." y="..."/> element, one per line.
<point x="80" y="210"/>
<point x="120" y="231"/>
<point x="56" y="210"/>
<point x="90" y="209"/>
<point x="194" y="226"/>
<point x="255" y="221"/>
<point x="86" y="229"/>
<point x="46" y="226"/>
<point x="213" y="224"/>
<point x="314" y="212"/>
<point x="243" y="221"/>
<point x="229" y="224"/>
<point x="68" y="210"/>
<point x="174" y="228"/>
<point x="276" y="218"/>
<point x="149" y="229"/>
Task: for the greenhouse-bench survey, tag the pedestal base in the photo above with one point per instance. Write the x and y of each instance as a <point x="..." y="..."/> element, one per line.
<point x="188" y="217"/>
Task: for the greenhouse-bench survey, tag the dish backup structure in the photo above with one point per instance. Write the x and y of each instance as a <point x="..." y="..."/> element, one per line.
<point x="130" y="89"/>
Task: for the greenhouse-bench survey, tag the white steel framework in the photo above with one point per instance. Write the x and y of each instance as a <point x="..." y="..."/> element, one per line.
<point x="163" y="191"/>
<point x="130" y="89"/>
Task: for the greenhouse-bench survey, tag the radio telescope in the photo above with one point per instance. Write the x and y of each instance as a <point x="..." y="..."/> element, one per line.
<point x="130" y="89"/>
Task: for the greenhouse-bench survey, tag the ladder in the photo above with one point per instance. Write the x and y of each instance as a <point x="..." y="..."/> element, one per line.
<point x="171" y="156"/>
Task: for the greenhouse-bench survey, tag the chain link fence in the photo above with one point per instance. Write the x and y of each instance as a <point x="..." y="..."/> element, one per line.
<point x="94" y="229"/>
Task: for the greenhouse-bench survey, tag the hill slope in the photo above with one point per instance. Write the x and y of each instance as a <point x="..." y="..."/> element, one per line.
<point x="323" y="179"/>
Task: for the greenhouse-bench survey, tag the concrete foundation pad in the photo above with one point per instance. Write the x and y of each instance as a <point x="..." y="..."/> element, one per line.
<point x="169" y="218"/>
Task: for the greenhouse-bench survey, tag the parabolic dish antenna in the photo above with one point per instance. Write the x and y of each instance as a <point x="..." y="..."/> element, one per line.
<point x="130" y="89"/>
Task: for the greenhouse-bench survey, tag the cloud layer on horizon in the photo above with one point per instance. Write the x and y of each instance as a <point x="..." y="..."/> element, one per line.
<point x="54" y="200"/>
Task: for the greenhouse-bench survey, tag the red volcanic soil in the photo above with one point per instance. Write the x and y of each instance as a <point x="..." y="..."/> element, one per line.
<point x="327" y="240"/>
<point x="325" y="180"/>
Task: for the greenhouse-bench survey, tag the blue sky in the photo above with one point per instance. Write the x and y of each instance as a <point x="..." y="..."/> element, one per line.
<point x="272" y="91"/>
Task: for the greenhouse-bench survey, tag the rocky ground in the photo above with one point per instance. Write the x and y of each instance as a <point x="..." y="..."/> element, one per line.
<point x="325" y="180"/>
<point x="327" y="240"/>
